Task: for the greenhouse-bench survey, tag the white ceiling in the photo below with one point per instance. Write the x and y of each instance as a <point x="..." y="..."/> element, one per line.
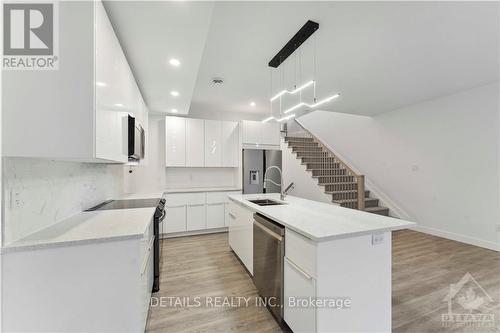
<point x="153" y="32"/>
<point x="378" y="56"/>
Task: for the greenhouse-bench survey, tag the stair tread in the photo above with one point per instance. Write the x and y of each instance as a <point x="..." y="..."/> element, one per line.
<point x="342" y="191"/>
<point x="355" y="200"/>
<point x="375" y="209"/>
<point x="335" y="183"/>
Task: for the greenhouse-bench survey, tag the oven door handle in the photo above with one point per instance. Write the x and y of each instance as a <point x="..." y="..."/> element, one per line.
<point x="162" y="217"/>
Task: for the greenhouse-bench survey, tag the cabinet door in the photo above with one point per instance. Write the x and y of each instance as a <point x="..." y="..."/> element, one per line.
<point x="113" y="82"/>
<point x="175" y="141"/>
<point x="195" y="142"/>
<point x="298" y="285"/>
<point x="215" y="215"/>
<point x="196" y="217"/>
<point x="232" y="224"/>
<point x="230" y="144"/>
<point x="213" y="143"/>
<point x="251" y="132"/>
<point x="175" y="220"/>
<point x="227" y="216"/>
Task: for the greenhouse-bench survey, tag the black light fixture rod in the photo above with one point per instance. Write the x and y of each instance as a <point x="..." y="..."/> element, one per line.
<point x="300" y="37"/>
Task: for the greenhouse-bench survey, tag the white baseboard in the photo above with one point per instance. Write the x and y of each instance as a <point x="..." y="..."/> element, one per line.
<point x="194" y="233"/>
<point x="459" y="238"/>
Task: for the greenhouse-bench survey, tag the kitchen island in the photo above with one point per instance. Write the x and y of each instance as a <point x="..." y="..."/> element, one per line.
<point x="337" y="265"/>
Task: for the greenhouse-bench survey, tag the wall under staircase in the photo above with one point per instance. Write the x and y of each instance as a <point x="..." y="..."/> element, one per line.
<point x="336" y="179"/>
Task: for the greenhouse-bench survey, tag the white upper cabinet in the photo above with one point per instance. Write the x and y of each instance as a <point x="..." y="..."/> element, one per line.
<point x="175" y="141"/>
<point x="195" y="149"/>
<point x="201" y="143"/>
<point x="257" y="133"/>
<point x="213" y="143"/>
<point x="230" y="144"/>
<point x="78" y="112"/>
<point x="113" y="86"/>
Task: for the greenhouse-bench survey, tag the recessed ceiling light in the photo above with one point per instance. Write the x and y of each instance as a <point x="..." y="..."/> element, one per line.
<point x="101" y="84"/>
<point x="174" y="111"/>
<point x="252" y="104"/>
<point x="174" y="93"/>
<point x="119" y="105"/>
<point x="174" y="62"/>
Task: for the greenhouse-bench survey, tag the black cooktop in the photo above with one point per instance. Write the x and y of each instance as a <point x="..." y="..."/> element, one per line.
<point x="126" y="204"/>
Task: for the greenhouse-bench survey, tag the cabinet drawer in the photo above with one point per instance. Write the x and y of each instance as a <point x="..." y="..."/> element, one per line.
<point x="301" y="251"/>
<point x="179" y="199"/>
<point x="216" y="197"/>
<point x="298" y="285"/>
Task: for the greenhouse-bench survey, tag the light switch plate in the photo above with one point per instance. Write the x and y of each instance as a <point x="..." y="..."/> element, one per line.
<point x="377" y="239"/>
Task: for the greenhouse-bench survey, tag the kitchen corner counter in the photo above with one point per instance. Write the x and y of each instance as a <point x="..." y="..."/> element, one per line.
<point x="91" y="227"/>
<point x="320" y="221"/>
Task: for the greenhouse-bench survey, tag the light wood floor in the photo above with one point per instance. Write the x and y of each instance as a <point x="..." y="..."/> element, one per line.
<point x="424" y="266"/>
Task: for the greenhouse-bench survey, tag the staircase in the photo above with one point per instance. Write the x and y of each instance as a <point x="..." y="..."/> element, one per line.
<point x="345" y="186"/>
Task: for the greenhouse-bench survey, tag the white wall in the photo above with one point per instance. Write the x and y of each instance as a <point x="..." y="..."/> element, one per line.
<point x="294" y="171"/>
<point x="39" y="193"/>
<point x="155" y="176"/>
<point x="438" y="161"/>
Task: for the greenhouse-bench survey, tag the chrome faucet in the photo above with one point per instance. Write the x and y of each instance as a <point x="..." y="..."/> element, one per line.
<point x="282" y="192"/>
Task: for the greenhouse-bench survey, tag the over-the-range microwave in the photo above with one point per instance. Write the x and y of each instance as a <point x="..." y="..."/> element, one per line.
<point x="136" y="140"/>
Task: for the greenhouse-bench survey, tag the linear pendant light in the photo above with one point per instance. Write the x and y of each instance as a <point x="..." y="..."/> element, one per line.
<point x="323" y="101"/>
<point x="292" y="92"/>
<point x="285" y="117"/>
<point x="268" y="119"/>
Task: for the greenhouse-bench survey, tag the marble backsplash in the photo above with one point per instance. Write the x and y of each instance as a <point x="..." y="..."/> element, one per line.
<point x="38" y="193"/>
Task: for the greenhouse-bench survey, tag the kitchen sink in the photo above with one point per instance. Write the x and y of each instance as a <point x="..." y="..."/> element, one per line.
<point x="266" y="202"/>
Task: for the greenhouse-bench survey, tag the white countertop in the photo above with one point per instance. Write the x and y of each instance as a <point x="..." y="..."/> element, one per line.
<point x="202" y="189"/>
<point x="94" y="226"/>
<point x="320" y="221"/>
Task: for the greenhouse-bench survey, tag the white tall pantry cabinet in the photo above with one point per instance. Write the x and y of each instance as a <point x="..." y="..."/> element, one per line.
<point x="213" y="143"/>
<point x="201" y="143"/>
<point x="175" y="141"/>
<point x="195" y="150"/>
<point x="79" y="111"/>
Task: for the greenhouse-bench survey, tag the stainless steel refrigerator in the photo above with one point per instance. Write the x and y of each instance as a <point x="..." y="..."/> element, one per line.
<point x="255" y="163"/>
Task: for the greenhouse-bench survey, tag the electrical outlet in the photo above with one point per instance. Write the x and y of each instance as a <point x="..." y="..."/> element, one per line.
<point x="498" y="227"/>
<point x="377" y="239"/>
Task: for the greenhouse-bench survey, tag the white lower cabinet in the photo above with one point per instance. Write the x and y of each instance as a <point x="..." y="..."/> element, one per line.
<point x="102" y="286"/>
<point x="196" y="217"/>
<point x="337" y="270"/>
<point x="299" y="285"/>
<point x="195" y="211"/>
<point x="215" y="215"/>
<point x="175" y="219"/>
<point x="241" y="233"/>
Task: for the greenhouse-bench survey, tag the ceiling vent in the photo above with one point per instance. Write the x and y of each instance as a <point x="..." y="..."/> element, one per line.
<point x="217" y="81"/>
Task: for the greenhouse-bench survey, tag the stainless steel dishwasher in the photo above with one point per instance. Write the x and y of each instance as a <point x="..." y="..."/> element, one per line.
<point x="268" y="260"/>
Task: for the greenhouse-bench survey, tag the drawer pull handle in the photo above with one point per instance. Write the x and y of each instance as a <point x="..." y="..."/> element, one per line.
<point x="298" y="269"/>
